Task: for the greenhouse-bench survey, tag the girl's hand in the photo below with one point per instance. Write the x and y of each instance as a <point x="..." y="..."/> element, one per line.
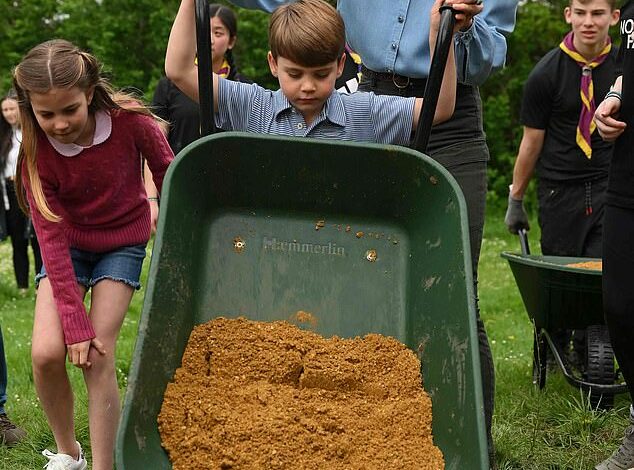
<point x="609" y="128"/>
<point x="78" y="352"/>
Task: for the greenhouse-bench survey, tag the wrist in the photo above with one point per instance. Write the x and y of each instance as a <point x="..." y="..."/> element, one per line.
<point x="613" y="94"/>
<point x="515" y="195"/>
<point x="467" y="27"/>
<point x="153" y="199"/>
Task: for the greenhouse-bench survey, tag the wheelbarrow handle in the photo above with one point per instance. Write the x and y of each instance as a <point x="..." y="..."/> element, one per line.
<point x="205" y="77"/>
<point x="523" y="234"/>
<point x="434" y="81"/>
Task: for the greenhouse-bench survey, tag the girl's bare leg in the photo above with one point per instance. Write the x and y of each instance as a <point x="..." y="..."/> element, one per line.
<point x="48" y="357"/>
<point x="109" y="305"/>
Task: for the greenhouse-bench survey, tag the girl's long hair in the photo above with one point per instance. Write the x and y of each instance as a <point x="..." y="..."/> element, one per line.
<point x="57" y="64"/>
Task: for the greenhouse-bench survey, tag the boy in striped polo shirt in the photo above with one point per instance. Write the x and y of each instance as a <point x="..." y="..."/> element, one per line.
<point x="307" y="40"/>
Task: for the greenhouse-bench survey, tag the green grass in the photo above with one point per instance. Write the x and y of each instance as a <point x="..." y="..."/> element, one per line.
<point x="551" y="429"/>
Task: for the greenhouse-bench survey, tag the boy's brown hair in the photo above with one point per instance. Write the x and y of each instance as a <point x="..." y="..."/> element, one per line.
<point x="310" y="33"/>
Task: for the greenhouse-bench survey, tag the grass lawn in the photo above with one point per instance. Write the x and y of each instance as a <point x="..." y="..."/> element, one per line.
<point x="551" y="429"/>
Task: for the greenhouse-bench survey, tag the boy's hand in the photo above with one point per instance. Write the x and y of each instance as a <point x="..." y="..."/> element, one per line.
<point x="516" y="218"/>
<point x="465" y="11"/>
<point x="609" y="128"/>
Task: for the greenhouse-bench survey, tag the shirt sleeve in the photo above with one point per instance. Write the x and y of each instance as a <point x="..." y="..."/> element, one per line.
<point x="482" y="48"/>
<point x="537" y="100"/>
<point x="59" y="267"/>
<point x="237" y="104"/>
<point x="153" y="145"/>
<point x="391" y="118"/>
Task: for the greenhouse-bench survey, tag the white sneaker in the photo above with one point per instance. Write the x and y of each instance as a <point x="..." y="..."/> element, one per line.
<point x="64" y="461"/>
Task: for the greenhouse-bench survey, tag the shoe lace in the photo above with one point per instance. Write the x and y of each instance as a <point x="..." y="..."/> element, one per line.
<point x="54" y="461"/>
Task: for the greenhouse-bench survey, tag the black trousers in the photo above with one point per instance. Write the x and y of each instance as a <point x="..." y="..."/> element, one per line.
<point x="16" y="228"/>
<point x="460" y="146"/>
<point x="571" y="217"/>
<point x="618" y="286"/>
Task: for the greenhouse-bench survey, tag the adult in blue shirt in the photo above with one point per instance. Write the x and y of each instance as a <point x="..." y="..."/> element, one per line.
<point x="395" y="55"/>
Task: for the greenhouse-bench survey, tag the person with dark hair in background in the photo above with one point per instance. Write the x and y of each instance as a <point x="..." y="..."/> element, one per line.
<point x="17" y="223"/>
<point x="178" y="109"/>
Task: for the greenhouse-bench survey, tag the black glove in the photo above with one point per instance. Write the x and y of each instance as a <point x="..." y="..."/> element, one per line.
<point x="516" y="218"/>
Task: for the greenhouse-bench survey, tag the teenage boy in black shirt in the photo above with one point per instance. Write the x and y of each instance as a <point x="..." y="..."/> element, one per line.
<point x="559" y="141"/>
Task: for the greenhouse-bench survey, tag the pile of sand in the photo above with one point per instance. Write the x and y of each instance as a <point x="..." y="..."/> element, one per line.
<point x="268" y="395"/>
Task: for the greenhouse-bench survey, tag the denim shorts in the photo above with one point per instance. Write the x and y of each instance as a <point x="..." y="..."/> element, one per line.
<point x="123" y="265"/>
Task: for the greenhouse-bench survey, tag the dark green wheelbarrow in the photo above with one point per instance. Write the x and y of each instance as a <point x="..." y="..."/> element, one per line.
<point x="367" y="238"/>
<point x="559" y="296"/>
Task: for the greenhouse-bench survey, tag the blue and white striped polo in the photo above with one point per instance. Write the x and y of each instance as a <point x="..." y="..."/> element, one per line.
<point x="362" y="117"/>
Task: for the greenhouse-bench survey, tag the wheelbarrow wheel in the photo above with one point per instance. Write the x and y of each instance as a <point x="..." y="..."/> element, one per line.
<point x="540" y="352"/>
<point x="599" y="365"/>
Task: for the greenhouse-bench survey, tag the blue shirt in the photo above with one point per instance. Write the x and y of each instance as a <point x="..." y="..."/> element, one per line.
<point x="362" y="117"/>
<point x="393" y="35"/>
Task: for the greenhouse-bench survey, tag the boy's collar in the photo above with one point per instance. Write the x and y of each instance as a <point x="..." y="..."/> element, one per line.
<point x="333" y="109"/>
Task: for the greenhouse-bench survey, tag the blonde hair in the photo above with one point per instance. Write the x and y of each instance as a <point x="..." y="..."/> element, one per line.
<point x="311" y="33"/>
<point x="58" y="64"/>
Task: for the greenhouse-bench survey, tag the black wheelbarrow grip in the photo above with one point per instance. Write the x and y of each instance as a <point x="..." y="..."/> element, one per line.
<point x="205" y="77"/>
<point x="434" y="81"/>
<point x="523" y="234"/>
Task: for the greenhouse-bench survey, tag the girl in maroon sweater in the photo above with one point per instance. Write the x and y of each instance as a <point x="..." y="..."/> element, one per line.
<point x="79" y="171"/>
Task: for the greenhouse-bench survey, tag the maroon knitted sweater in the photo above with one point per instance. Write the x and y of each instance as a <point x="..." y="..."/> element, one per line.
<point x="99" y="195"/>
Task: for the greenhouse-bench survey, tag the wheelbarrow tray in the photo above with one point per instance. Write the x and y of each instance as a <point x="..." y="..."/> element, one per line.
<point x="555" y="294"/>
<point x="263" y="227"/>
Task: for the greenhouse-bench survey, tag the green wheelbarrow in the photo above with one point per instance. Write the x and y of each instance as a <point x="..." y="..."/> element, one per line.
<point x="559" y="295"/>
<point x="367" y="238"/>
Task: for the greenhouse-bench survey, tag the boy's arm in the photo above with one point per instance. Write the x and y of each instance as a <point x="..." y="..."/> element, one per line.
<point x="447" y="94"/>
<point x="181" y="53"/>
<point x="527" y="156"/>
<point x="531" y="146"/>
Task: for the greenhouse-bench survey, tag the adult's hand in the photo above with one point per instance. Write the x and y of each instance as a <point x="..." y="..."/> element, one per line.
<point x="605" y="118"/>
<point x="466" y="10"/>
<point x="516" y="218"/>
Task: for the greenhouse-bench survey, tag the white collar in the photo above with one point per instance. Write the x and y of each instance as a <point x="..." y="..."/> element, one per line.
<point x="103" y="129"/>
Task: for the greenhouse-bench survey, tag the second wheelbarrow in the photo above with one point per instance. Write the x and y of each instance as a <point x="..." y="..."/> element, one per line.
<point x="564" y="293"/>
